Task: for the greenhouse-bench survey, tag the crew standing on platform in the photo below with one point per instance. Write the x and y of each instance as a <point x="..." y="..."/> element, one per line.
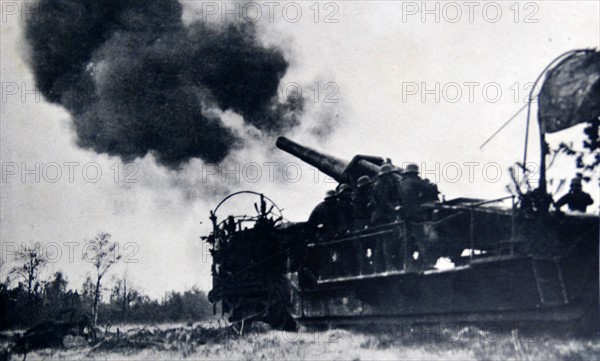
<point x="576" y="199"/>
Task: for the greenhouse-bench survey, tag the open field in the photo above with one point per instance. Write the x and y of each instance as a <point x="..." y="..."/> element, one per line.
<point x="217" y="341"/>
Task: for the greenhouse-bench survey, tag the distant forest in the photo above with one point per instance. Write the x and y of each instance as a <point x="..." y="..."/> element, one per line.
<point x="52" y="301"/>
<point x="26" y="300"/>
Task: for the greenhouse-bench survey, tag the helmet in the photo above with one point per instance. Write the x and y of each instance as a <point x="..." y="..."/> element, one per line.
<point x="363" y="181"/>
<point x="344" y="188"/>
<point x="385" y="169"/>
<point x="330" y="194"/>
<point x="576" y="182"/>
<point x="411" y="168"/>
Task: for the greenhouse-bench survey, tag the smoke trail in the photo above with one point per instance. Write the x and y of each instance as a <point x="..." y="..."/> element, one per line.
<point x="137" y="80"/>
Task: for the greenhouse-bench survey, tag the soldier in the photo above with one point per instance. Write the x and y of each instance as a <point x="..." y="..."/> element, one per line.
<point x="416" y="192"/>
<point x="386" y="198"/>
<point x="363" y="208"/>
<point x="345" y="207"/>
<point x="577" y="199"/>
<point x="323" y="221"/>
<point x="342" y="253"/>
<point x="386" y="195"/>
<point x="323" y="218"/>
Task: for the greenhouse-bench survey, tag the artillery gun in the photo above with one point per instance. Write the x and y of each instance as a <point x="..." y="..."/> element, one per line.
<point x="512" y="264"/>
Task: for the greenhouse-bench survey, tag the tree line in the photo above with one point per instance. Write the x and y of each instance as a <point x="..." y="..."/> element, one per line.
<point x="26" y="299"/>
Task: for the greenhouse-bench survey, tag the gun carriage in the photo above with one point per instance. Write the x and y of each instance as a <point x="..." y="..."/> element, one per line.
<point x="511" y="264"/>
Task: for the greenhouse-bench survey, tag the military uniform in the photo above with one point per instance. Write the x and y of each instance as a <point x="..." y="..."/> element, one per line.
<point x="416" y="192"/>
<point x="345" y="208"/>
<point x="323" y="222"/>
<point x="386" y="195"/>
<point x="413" y="190"/>
<point x="576" y="199"/>
<point x="363" y="208"/>
<point x="343" y="253"/>
<point x="323" y="218"/>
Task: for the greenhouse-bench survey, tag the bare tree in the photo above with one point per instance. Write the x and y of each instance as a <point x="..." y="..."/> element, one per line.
<point x="102" y="253"/>
<point x="33" y="261"/>
<point x="124" y="294"/>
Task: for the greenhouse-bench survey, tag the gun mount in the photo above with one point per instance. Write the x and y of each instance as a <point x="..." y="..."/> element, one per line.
<point x="509" y="265"/>
<point x="525" y="268"/>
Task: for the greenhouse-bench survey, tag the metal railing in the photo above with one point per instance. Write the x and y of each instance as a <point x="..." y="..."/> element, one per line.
<point x="386" y="248"/>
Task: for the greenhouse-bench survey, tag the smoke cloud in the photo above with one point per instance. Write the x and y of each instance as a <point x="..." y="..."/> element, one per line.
<point x="137" y="80"/>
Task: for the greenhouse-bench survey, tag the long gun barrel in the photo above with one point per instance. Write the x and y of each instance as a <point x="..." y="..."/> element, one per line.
<point x="340" y="170"/>
<point x="332" y="166"/>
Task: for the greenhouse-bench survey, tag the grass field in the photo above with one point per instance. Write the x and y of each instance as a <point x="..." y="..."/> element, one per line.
<point x="218" y="341"/>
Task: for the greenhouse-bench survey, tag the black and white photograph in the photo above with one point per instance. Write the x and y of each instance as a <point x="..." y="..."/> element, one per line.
<point x="299" y="180"/>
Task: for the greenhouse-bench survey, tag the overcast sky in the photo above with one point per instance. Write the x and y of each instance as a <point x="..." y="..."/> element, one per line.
<point x="391" y="82"/>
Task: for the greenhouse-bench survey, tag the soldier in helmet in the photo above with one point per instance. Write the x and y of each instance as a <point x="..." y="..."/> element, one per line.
<point x="323" y="218"/>
<point x="576" y="199"/>
<point x="342" y="253"/>
<point x="345" y="207"/>
<point x="416" y="192"/>
<point x="386" y="195"/>
<point x="363" y="209"/>
<point x="323" y="221"/>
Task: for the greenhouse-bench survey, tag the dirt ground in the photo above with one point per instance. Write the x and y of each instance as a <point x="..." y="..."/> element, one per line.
<point x="217" y="341"/>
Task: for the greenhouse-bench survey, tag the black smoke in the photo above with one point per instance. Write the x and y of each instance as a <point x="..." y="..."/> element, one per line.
<point x="137" y="80"/>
